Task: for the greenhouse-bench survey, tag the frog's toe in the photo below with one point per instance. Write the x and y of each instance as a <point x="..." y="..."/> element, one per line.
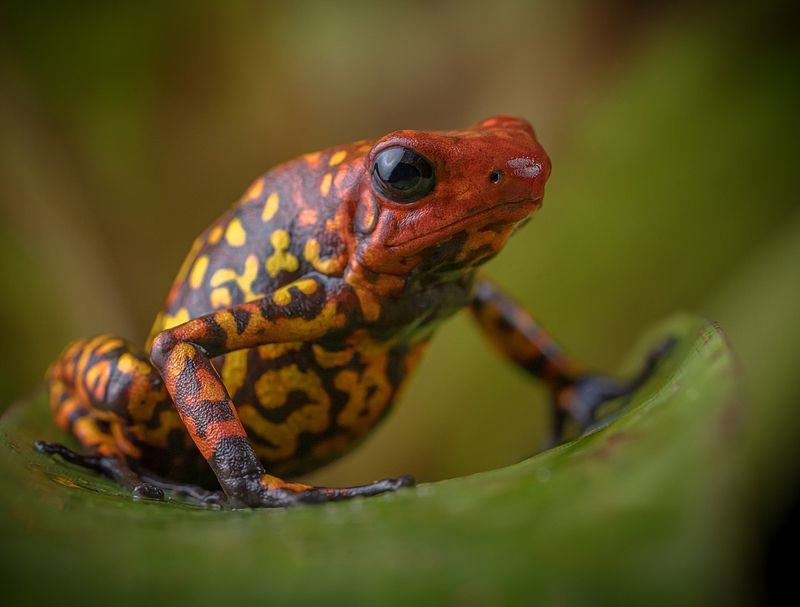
<point x="280" y="495"/>
<point x="214" y="499"/>
<point x="148" y="491"/>
<point x="317" y="495"/>
<point x="582" y="399"/>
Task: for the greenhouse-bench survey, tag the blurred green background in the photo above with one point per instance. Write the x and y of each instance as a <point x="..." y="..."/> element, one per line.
<point x="672" y="127"/>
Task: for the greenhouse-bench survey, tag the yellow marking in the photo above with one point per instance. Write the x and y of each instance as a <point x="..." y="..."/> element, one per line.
<point x="311" y="158"/>
<point x="280" y="329"/>
<point x="270" y="207"/>
<point x="235" y="234"/>
<point x="369" y="394"/>
<point x="173" y="320"/>
<point x="244" y="280"/>
<point x="370" y="304"/>
<point x="273" y="351"/>
<point x="111" y="344"/>
<point x="272" y="390"/>
<point x="281" y="259"/>
<point x="307" y="286"/>
<point x="86" y="431"/>
<point x="330" y="265"/>
<point x="283" y="296"/>
<point x="215" y="235"/>
<point x="220" y="298"/>
<point x="337" y="158"/>
<point x="222" y="276"/>
<point x="307" y="217"/>
<point x="234" y="371"/>
<point x="198" y="272"/>
<point x="255" y="190"/>
<point x="187" y="263"/>
<point x="325" y="186"/>
<point x="328" y="359"/>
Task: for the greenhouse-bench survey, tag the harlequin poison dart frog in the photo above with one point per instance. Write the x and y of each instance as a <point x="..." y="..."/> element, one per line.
<point x="298" y="315"/>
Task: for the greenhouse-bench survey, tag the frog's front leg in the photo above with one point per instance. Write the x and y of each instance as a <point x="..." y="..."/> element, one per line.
<point x="577" y="394"/>
<point x="305" y="310"/>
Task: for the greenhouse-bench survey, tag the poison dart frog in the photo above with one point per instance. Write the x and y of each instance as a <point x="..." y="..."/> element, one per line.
<point x="299" y="314"/>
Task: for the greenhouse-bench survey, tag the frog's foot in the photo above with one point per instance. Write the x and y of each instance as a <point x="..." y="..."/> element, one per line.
<point x="109" y="465"/>
<point x="207" y="497"/>
<point x="581" y="399"/>
<point x="271" y="492"/>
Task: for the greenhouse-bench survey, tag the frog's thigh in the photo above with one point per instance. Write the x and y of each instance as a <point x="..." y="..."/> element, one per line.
<point x="101" y="385"/>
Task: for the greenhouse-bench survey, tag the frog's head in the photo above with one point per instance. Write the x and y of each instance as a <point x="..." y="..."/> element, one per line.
<point x="447" y="201"/>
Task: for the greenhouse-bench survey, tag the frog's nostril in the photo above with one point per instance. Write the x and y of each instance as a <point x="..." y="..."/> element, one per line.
<point x="495" y="176"/>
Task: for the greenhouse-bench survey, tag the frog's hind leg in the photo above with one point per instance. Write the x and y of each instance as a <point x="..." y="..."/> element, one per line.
<point x="93" y="385"/>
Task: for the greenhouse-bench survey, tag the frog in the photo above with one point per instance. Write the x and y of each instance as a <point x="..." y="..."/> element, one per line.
<point x="299" y="314"/>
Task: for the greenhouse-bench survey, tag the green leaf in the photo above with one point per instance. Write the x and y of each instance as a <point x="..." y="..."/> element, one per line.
<point x="643" y="510"/>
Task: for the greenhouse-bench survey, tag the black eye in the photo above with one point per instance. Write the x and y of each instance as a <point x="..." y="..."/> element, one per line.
<point x="402" y="175"/>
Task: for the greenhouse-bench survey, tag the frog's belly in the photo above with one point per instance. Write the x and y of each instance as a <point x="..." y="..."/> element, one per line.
<point x="304" y="405"/>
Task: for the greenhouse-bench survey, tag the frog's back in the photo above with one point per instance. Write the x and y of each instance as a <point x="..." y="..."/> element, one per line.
<point x="289" y="222"/>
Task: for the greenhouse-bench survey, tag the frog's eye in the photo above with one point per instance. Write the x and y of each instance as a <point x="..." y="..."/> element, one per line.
<point x="402" y="175"/>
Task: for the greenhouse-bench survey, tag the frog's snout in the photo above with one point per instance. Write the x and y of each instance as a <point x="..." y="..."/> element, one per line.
<point x="521" y="178"/>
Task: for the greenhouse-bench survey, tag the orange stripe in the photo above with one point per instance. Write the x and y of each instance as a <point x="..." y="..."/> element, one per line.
<point x="83" y="361"/>
<point x="63" y="414"/>
<point x="216" y="432"/>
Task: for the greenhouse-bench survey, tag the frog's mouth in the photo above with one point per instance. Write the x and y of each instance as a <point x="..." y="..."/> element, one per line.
<point x="504" y="213"/>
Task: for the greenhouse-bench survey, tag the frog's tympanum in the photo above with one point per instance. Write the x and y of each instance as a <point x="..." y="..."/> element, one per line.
<point x="299" y="314"/>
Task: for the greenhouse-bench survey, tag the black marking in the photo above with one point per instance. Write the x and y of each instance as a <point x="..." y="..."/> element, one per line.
<point x="242" y="319"/>
<point x="187" y="382"/>
<point x="536" y="364"/>
<point x="234" y="460"/>
<point x="208" y="412"/>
